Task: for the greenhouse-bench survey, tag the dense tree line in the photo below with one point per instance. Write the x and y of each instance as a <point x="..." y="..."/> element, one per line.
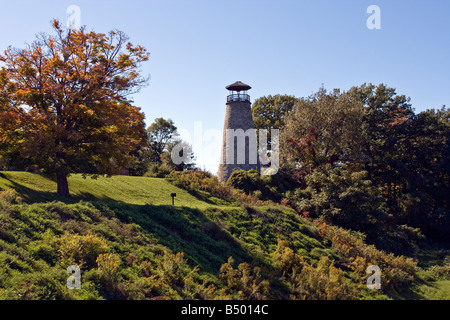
<point x="364" y="160"/>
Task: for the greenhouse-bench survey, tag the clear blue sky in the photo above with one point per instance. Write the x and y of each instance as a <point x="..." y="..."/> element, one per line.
<point x="277" y="47"/>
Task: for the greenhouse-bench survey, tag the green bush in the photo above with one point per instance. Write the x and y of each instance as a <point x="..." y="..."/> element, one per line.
<point x="440" y="272"/>
<point x="46" y="284"/>
<point x="45" y="252"/>
<point x="252" y="183"/>
<point x="157" y="170"/>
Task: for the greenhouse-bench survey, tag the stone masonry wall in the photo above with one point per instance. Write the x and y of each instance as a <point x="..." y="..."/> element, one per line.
<point x="238" y="115"/>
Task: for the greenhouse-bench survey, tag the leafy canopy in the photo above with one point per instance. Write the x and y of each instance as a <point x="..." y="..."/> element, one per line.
<point x="64" y="105"/>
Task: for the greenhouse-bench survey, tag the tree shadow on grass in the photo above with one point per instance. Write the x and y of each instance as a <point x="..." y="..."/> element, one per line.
<point x="184" y="229"/>
<point x="30" y="195"/>
<point x="202" y="196"/>
<point x="181" y="229"/>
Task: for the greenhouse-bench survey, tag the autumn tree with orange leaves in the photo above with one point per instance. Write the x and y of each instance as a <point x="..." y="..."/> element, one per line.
<point x="64" y="104"/>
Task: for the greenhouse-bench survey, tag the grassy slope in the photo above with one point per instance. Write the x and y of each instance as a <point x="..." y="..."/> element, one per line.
<point x="207" y="233"/>
<point x="436" y="290"/>
<point x="125" y="189"/>
<point x="188" y="227"/>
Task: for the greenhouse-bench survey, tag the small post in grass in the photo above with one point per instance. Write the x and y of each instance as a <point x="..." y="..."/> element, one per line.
<point x="173" y="195"/>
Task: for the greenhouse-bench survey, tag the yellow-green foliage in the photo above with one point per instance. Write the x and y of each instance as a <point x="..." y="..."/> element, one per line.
<point x="82" y="250"/>
<point x="248" y="283"/>
<point x="307" y="282"/>
<point x="322" y="282"/>
<point x="441" y="272"/>
<point x="203" y="291"/>
<point x="286" y="260"/>
<point x="172" y="277"/>
<point x="108" y="264"/>
<point x="8" y="197"/>
<point x="173" y="267"/>
<point x="397" y="272"/>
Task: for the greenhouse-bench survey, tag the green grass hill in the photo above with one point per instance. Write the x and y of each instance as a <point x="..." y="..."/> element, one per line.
<point x="125" y="189"/>
<point x="131" y="243"/>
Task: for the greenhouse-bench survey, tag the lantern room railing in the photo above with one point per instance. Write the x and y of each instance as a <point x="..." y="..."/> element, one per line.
<point x="238" y="97"/>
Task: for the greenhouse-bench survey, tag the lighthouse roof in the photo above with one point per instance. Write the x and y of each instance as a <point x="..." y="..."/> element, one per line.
<point x="238" y="86"/>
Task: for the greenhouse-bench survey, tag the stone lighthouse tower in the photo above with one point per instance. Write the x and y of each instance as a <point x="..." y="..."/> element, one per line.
<point x="239" y="146"/>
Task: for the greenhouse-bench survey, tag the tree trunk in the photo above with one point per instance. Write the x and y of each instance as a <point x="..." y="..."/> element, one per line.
<point x="63" y="184"/>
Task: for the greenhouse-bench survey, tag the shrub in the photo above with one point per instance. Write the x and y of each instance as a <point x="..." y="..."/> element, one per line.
<point x="150" y="287"/>
<point x="130" y="259"/>
<point x="81" y="250"/>
<point x="205" y="185"/>
<point x="173" y="278"/>
<point x="158" y="170"/>
<point x="204" y="291"/>
<point x="45" y="252"/>
<point x="264" y="187"/>
<point x="323" y="282"/>
<point x="286" y="260"/>
<point x="440" y="272"/>
<point x="247" y="181"/>
<point x="397" y="272"/>
<point x="173" y="268"/>
<point x="243" y="281"/>
<point x="257" y="194"/>
<point x="46" y="284"/>
<point x="108" y="264"/>
<point x="8" y="197"/>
